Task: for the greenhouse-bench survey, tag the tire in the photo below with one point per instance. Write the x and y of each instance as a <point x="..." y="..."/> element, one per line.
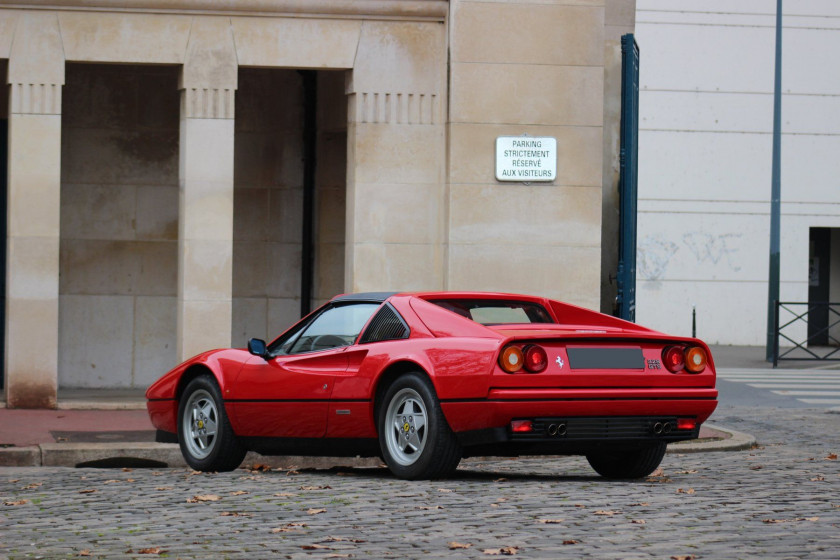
<point x="629" y="463"/>
<point x="416" y="441"/>
<point x="204" y="433"/>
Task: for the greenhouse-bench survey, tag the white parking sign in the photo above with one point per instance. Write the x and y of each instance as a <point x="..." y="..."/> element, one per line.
<point x="526" y="158"/>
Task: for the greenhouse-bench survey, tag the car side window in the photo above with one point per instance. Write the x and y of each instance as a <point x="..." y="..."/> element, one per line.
<point x="335" y="327"/>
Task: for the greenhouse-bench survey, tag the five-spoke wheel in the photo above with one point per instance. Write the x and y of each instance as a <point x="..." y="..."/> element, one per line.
<point x="406" y="438"/>
<point x="200" y="423"/>
<point x="415" y="440"/>
<point x="204" y="433"/>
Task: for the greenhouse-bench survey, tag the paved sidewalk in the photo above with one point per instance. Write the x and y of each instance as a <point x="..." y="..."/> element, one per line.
<point x="112" y="428"/>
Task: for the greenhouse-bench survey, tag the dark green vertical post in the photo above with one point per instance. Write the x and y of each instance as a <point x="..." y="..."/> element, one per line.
<point x="628" y="179"/>
<point x="776" y="192"/>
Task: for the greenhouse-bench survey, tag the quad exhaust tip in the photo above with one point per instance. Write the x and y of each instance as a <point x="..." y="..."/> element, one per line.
<point x="555" y="430"/>
<point x="662" y="428"/>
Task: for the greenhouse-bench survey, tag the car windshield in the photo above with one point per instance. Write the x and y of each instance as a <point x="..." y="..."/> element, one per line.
<point x="496" y="311"/>
<point x="334" y="327"/>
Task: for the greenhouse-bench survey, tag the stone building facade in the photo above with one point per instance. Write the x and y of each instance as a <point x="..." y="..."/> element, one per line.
<point x="705" y="168"/>
<point x="185" y="174"/>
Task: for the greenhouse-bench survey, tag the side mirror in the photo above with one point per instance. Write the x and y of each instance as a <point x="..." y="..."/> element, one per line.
<point x="256" y="346"/>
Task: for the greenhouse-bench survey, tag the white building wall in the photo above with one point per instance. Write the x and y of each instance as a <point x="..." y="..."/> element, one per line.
<point x="705" y="154"/>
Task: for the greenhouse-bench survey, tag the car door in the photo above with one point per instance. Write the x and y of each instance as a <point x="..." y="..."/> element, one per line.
<point x="287" y="393"/>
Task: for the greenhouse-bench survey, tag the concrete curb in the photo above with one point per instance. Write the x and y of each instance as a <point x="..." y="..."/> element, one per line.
<point x="111" y="454"/>
<point x="737" y="441"/>
<point x="162" y="455"/>
<point x="20" y="457"/>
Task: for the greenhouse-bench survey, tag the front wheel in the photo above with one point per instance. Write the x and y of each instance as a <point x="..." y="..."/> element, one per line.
<point x="628" y="463"/>
<point x="416" y="441"/>
<point x="204" y="433"/>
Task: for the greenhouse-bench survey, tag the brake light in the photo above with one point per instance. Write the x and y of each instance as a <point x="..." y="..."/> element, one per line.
<point x="695" y="359"/>
<point x="674" y="358"/>
<point x="521" y="426"/>
<point x="511" y="359"/>
<point x="536" y="359"/>
<point x="686" y="423"/>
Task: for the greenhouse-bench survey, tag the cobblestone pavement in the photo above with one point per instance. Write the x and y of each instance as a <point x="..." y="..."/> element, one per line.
<point x="779" y="500"/>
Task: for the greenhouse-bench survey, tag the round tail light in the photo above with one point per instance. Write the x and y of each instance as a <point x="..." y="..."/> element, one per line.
<point x="674" y="358"/>
<point x="695" y="359"/>
<point x="536" y="359"/>
<point x="511" y="359"/>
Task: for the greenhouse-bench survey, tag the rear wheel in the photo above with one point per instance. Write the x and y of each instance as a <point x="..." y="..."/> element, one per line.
<point x="416" y="441"/>
<point x="204" y="432"/>
<point x="628" y="463"/>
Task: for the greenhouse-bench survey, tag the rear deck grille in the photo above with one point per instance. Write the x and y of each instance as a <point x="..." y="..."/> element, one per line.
<point x="593" y="428"/>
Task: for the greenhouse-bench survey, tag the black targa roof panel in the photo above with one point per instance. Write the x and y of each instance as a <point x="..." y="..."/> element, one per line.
<point x="376" y="297"/>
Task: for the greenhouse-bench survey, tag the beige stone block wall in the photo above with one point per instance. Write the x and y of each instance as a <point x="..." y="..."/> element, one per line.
<point x="268" y="183"/>
<point x="544" y="76"/>
<point x="296" y="43"/>
<point x="330" y="187"/>
<point x="396" y="159"/>
<point x="125" y="38"/>
<point x="35" y="75"/>
<point x="620" y="19"/>
<point x="180" y="203"/>
<point x="119" y="225"/>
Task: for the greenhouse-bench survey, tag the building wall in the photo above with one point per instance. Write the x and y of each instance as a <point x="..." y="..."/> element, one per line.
<point x="156" y="210"/>
<point x="620" y="18"/>
<point x="267" y="202"/>
<point x="330" y="188"/>
<point x="119" y="225"/>
<point x="542" y="76"/>
<point x="268" y="198"/>
<point x="705" y="159"/>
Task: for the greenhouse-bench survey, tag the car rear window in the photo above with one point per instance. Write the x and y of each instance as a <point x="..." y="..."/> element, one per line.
<point x="495" y="311"/>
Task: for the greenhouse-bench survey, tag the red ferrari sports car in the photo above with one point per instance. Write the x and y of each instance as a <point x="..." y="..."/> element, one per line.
<point x="424" y="379"/>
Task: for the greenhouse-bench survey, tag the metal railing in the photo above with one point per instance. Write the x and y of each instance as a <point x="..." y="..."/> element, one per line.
<point x="820" y="345"/>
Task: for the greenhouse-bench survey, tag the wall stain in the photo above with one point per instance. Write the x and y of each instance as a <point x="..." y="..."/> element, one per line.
<point x="712" y="248"/>
<point x="654" y="254"/>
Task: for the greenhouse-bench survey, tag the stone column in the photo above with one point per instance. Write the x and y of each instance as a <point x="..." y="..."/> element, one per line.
<point x="36" y="75"/>
<point x="205" y="217"/>
<point x="396" y="160"/>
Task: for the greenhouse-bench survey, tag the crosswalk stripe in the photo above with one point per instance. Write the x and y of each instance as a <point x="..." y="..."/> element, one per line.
<point x="809" y="393"/>
<point x="818" y="387"/>
<point x="787" y="386"/>
<point x="817" y="374"/>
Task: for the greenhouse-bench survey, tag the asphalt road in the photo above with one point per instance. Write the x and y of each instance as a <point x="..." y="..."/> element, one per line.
<point x="779" y="500"/>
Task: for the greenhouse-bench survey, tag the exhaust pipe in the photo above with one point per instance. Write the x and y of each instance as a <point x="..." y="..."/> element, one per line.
<point x="552" y="430"/>
<point x="561" y="430"/>
<point x="666" y="429"/>
<point x="657" y="428"/>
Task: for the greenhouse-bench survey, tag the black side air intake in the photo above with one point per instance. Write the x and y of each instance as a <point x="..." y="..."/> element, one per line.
<point x="385" y="325"/>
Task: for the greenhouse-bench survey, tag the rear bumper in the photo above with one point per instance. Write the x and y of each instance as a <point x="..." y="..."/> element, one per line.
<point x="495" y="414"/>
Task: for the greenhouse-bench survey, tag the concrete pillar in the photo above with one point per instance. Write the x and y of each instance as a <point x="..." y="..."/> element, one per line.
<point x="36" y="75"/>
<point x="205" y="216"/>
<point x="396" y="160"/>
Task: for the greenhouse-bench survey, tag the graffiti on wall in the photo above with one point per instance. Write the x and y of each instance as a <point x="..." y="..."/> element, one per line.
<point x="655" y="252"/>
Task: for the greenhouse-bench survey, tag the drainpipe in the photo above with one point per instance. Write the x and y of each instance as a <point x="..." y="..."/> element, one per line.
<point x="307" y="268"/>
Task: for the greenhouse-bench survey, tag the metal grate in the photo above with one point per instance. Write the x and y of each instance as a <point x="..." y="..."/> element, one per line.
<point x="603" y="428"/>
<point x="385" y="325"/>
